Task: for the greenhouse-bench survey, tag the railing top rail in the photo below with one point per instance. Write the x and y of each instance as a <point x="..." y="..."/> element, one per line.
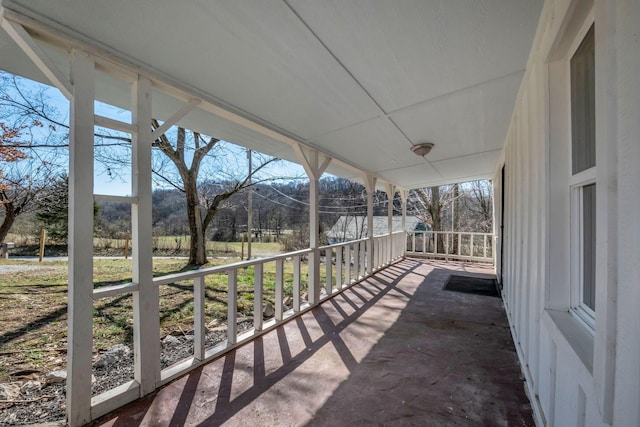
<point x="478" y="233"/>
<point x="364" y="239"/>
<point x="170" y="278"/>
<point x="349" y="242"/>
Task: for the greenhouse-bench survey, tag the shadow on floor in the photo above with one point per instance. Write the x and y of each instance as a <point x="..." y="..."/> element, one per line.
<point x="395" y="349"/>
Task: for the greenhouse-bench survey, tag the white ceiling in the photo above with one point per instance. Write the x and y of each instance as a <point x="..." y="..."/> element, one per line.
<point x="361" y="80"/>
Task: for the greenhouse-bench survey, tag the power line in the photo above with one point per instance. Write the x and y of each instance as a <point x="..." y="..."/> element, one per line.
<point x="306" y="204"/>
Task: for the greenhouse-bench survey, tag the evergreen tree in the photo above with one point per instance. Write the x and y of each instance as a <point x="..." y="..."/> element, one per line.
<point x="53" y="210"/>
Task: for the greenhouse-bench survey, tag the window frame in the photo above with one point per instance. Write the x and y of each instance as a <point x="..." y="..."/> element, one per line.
<point x="580" y="310"/>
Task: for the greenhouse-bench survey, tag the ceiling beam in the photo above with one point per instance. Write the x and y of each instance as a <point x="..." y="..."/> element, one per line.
<point x="37" y="56"/>
<point x="188" y="107"/>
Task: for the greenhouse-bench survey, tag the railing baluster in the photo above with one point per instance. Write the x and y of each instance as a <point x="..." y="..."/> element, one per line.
<point x="232" y="306"/>
<point x="296" y="283"/>
<point x="328" y="259"/>
<point x="339" y="280"/>
<point x="374" y="262"/>
<point x="356" y="261"/>
<point x="363" y="266"/>
<point x="198" y="318"/>
<point x="347" y="264"/>
<point x="257" y="296"/>
<point x="387" y="250"/>
<point x="435" y="242"/>
<point x="279" y="288"/>
<point x="471" y="245"/>
<point x="484" y="246"/>
<point x="431" y="246"/>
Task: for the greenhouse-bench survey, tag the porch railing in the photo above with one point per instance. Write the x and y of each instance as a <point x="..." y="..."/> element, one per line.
<point x="451" y="245"/>
<point x="342" y="265"/>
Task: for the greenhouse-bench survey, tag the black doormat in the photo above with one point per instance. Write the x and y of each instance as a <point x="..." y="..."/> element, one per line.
<point x="472" y="285"/>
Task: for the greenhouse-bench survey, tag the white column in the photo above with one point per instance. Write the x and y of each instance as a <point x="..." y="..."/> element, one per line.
<point x="314" y="170"/>
<point x="80" y="311"/>
<point x="314" y="230"/>
<point x="403" y="197"/>
<point x="391" y="191"/>
<point x="249" y="206"/>
<point x="370" y="186"/>
<point x="146" y="301"/>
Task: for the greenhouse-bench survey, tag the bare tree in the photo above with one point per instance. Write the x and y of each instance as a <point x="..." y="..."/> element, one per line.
<point x="188" y="155"/>
<point x="458" y="207"/>
<point x="480" y="206"/>
<point x="428" y="205"/>
<point x="23" y="177"/>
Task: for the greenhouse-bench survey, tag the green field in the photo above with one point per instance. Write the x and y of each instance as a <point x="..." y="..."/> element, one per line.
<point x="162" y="245"/>
<point x="33" y="300"/>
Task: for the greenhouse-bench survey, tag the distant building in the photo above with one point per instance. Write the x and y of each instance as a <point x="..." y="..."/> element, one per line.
<point x="349" y="228"/>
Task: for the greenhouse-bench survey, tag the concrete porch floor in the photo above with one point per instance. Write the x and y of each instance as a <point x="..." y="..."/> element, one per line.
<point x="395" y="349"/>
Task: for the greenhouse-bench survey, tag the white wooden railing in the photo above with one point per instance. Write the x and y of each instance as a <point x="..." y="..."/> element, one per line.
<point x="344" y="265"/>
<point x="451" y="245"/>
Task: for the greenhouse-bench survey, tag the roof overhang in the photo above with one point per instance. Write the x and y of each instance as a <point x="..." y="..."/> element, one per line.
<point x="360" y="81"/>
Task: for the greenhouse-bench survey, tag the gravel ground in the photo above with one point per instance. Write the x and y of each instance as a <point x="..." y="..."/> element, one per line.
<point x="8" y="269"/>
<point x="42" y="402"/>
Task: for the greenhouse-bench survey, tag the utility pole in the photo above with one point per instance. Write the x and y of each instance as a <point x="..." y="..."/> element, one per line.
<point x="249" y="207"/>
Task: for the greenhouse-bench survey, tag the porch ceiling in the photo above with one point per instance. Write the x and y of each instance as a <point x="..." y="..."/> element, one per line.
<point x="361" y="80"/>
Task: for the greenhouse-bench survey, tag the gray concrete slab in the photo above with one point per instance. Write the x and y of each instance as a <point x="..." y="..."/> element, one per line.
<point x="395" y="349"/>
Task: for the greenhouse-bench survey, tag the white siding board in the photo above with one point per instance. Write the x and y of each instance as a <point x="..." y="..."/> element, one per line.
<point x="576" y="378"/>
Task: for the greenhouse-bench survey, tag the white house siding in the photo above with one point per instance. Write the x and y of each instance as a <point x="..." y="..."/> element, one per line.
<point x="576" y="377"/>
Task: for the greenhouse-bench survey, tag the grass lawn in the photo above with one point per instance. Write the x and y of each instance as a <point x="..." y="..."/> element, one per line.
<point x="162" y="245"/>
<point x="33" y="301"/>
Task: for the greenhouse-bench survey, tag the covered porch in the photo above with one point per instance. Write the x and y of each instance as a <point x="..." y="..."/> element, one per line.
<point x="394" y="348"/>
<point x="351" y="89"/>
<point x="326" y="112"/>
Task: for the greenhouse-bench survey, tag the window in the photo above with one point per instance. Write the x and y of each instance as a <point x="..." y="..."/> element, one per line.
<point x="583" y="179"/>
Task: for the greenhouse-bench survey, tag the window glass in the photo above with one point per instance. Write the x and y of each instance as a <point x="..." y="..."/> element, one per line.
<point x="583" y="122"/>
<point x="589" y="245"/>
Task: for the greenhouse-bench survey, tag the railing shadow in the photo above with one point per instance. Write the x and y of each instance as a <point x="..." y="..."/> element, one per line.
<point x="226" y="404"/>
<point x="330" y="335"/>
<point x="448" y="359"/>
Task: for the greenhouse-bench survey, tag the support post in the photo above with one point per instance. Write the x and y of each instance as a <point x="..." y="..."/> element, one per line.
<point x="80" y="311"/>
<point x="391" y="191"/>
<point x="314" y="170"/>
<point x="370" y="186"/>
<point x="249" y="207"/>
<point x="403" y="197"/>
<point x="314" y="237"/>
<point x="146" y="300"/>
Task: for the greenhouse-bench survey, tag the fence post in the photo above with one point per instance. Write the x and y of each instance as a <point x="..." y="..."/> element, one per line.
<point x="43" y="237"/>
<point x="127" y="237"/>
